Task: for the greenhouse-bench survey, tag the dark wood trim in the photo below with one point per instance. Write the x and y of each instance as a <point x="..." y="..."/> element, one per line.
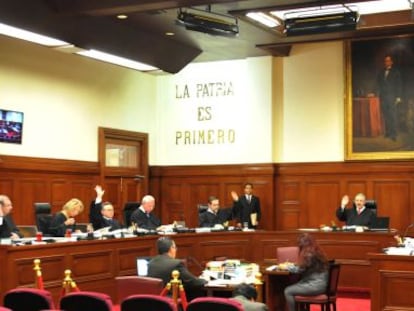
<point x="46" y="165"/>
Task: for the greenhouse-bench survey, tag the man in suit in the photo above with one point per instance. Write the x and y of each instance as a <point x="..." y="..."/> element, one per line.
<point x="101" y="214"/>
<point x="214" y="216"/>
<point x="246" y="295"/>
<point x="165" y="263"/>
<point x="143" y="217"/>
<point x="246" y="208"/>
<point x="358" y="215"/>
<point x="389" y="87"/>
<point x="8" y="229"/>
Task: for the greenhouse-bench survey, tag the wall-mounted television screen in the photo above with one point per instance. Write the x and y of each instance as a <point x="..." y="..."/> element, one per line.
<point x="11" y="126"/>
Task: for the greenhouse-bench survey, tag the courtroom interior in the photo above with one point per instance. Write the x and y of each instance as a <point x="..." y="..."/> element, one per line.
<point x="278" y="122"/>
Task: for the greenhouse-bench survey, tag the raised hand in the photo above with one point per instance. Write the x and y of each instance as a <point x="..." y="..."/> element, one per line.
<point x="345" y="200"/>
<point x="99" y="191"/>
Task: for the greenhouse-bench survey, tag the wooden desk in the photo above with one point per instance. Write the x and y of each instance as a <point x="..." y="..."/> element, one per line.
<point x="95" y="264"/>
<point x="275" y="283"/>
<point x="366" y="117"/>
<point x="392" y="279"/>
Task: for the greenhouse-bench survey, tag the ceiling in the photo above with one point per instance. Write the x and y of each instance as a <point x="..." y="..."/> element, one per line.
<point x="142" y="36"/>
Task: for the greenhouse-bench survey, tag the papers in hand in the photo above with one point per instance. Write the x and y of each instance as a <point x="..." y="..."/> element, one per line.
<point x="253" y="219"/>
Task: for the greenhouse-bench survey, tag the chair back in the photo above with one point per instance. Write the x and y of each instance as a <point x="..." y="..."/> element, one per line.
<point x="214" y="303"/>
<point x="287" y="253"/>
<point x="370" y="204"/>
<point x="201" y="208"/>
<point x="82" y="226"/>
<point x="28" y="299"/>
<point x="27" y="231"/>
<point x="43" y="216"/>
<point x="129" y="208"/>
<point x="148" y="303"/>
<point x="134" y="285"/>
<point x="333" y="279"/>
<point x="86" y="301"/>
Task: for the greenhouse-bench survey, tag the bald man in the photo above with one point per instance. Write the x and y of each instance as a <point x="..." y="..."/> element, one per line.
<point x="8" y="229"/>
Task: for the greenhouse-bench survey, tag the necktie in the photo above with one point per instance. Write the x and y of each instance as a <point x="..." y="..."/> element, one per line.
<point x="249" y="199"/>
<point x="359" y="211"/>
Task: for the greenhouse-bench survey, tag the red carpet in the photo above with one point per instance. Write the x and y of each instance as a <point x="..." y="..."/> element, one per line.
<point x="349" y="304"/>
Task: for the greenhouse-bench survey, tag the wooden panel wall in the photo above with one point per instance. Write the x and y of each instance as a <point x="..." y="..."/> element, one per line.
<point x="307" y="194"/>
<point x="293" y="195"/>
<point x="180" y="188"/>
<point x="28" y="180"/>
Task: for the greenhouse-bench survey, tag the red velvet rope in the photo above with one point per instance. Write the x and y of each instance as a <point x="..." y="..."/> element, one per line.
<point x="40" y="284"/>
<point x="164" y="292"/>
<point x="183" y="297"/>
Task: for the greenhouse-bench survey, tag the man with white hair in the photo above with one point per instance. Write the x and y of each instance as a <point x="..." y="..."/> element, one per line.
<point x="8" y="229"/>
<point x="143" y="217"/>
<point x="358" y="214"/>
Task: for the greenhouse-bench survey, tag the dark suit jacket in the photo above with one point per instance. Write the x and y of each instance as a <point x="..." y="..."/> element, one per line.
<point x="95" y="216"/>
<point x="113" y="223"/>
<point x="58" y="227"/>
<point x="242" y="209"/>
<point x="144" y="221"/>
<point x="208" y="219"/>
<point x="8" y="227"/>
<point x="250" y="305"/>
<point x="351" y="217"/>
<point x="389" y="88"/>
<point x="161" y="267"/>
<point x="98" y="221"/>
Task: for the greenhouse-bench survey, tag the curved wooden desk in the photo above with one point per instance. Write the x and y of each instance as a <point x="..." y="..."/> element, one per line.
<point x="96" y="263"/>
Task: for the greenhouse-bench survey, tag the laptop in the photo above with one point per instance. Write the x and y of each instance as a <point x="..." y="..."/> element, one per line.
<point x="142" y="265"/>
<point x="381" y="224"/>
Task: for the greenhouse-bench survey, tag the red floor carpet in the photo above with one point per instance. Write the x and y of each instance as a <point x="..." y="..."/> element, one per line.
<point x="349" y="304"/>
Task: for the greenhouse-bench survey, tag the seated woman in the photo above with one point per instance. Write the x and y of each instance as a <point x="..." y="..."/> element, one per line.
<point x="65" y="219"/>
<point x="313" y="266"/>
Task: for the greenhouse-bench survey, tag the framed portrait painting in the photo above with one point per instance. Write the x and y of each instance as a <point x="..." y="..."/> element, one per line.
<point x="380" y="98"/>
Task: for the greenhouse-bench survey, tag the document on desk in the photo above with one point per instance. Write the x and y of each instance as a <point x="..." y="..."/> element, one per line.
<point x="222" y="283"/>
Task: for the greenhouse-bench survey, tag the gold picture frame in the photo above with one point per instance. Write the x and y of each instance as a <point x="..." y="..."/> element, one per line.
<point x="379" y="105"/>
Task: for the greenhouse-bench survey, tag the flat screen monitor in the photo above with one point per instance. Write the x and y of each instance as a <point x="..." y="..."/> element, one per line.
<point x="142" y="265"/>
<point x="11" y="126"/>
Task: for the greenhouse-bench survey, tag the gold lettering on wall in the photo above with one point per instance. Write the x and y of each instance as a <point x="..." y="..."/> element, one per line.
<point x="203" y="92"/>
<point x="205" y="137"/>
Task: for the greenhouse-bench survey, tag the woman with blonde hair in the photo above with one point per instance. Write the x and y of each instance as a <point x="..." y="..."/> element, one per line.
<point x="65" y="219"/>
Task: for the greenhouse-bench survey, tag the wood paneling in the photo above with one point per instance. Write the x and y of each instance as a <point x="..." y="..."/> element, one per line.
<point x="94" y="264"/>
<point x="292" y="195"/>
<point x="28" y="180"/>
<point x="183" y="187"/>
<point x="392" y="282"/>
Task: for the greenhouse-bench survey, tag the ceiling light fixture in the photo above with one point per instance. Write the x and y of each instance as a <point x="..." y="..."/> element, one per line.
<point x="208" y="22"/>
<point x="322" y="20"/>
<point x="66" y="47"/>
<point x="117" y="60"/>
<point x="264" y="19"/>
<point x="18" y="33"/>
<point x="122" y="16"/>
<point x="366" y="7"/>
